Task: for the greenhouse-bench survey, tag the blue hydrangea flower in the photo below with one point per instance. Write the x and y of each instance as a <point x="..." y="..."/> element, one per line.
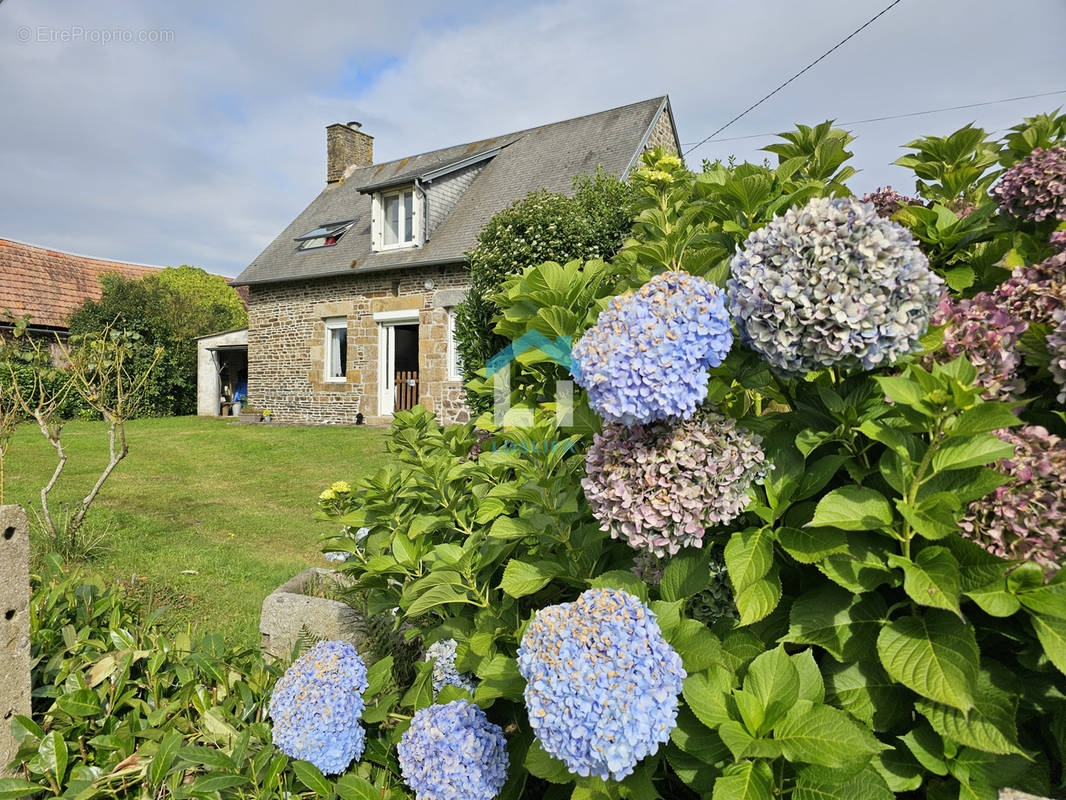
<point x="832" y="284"/>
<point x="601" y="682"/>
<point x="453" y="752"/>
<point x="316" y="707"/>
<point x="647" y="356"/>
<point x="444" y="671"/>
<point x="337" y="556"/>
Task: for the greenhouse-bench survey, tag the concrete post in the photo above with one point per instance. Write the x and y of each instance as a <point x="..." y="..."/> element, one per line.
<point x="14" y="625"/>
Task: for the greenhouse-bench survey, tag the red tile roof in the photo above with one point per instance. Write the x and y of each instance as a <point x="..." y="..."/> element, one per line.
<point x="51" y="284"/>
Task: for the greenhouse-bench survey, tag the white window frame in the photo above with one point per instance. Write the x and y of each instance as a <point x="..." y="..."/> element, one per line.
<point x="378" y="221"/>
<point x="455" y="372"/>
<point x="333" y="324"/>
<point x="387" y="322"/>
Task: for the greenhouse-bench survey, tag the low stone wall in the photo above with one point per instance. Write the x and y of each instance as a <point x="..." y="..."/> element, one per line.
<point x="14" y="625"/>
<point x="289" y="611"/>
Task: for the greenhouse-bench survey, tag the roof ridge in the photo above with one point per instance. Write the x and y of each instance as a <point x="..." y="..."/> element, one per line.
<point x="81" y="255"/>
<point x="520" y="132"/>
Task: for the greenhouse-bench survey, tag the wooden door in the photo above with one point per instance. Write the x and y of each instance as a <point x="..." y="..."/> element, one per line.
<point x="406" y="391"/>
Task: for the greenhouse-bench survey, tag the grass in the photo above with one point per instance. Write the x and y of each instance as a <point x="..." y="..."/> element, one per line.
<point x="209" y="517"/>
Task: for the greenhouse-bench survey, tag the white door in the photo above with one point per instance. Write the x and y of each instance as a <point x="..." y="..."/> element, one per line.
<point x="387" y="322"/>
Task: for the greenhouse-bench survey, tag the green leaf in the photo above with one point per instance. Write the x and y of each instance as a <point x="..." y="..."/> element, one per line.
<point x="865" y="691"/>
<point x="749" y="554"/>
<point x="844" y="624"/>
<point x="819" y="783"/>
<point x="935" y="655"/>
<point x="970" y="451"/>
<point x="436" y="596"/>
<point x="698" y="647"/>
<point x="378" y="676"/>
<point x="773" y="680"/>
<point x="746" y="780"/>
<point x="309" y="776"/>
<point x="511" y="528"/>
<point x="706" y="700"/>
<point x="684" y="575"/>
<point x="621" y="579"/>
<point x="164" y="757"/>
<point x="11" y="788"/>
<point x="520" y="578"/>
<point x="901" y="772"/>
<point x="931" y="579"/>
<point x="353" y="787"/>
<point x="80" y="703"/>
<point x="995" y="600"/>
<point x="544" y="766"/>
<point x="823" y="735"/>
<point x="927" y="747"/>
<point x="218" y="781"/>
<point x="208" y="756"/>
<point x="737" y="737"/>
<point x="984" y="417"/>
<point x="697" y="739"/>
<point x="1048" y="600"/>
<point x="1052" y="635"/>
<point x="989" y="726"/>
<point x="52" y="752"/>
<point x="904" y="391"/>
<point x="811" y="687"/>
<point x="853" y="508"/>
<point x="811" y="545"/>
<point x="759" y="599"/>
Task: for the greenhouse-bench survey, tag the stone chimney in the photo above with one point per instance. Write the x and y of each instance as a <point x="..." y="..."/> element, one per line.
<point x="346" y="146"/>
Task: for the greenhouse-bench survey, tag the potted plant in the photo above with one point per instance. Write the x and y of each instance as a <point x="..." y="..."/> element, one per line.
<point x="249" y="414"/>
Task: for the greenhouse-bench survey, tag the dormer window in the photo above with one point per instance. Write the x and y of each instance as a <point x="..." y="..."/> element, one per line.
<point x="323" y="236"/>
<point x="397" y="219"/>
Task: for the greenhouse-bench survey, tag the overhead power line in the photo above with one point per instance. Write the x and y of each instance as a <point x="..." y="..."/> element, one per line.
<point x="899" y="116"/>
<point x="758" y="103"/>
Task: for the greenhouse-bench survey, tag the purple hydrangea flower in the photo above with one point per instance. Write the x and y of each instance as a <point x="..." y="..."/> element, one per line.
<point x="832" y="284"/>
<point x="1035" y="187"/>
<point x="601" y="682"/>
<point x="983" y="331"/>
<point x="888" y="201"/>
<point x="317" y="704"/>
<point x="1026" y="518"/>
<point x="453" y="752"/>
<point x="1056" y="345"/>
<point x="1034" y="293"/>
<point x="647" y="356"/>
<point x="444" y="673"/>
<point x="660" y="486"/>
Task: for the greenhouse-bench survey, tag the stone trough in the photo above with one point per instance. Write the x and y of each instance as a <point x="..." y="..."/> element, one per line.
<point x="293" y="610"/>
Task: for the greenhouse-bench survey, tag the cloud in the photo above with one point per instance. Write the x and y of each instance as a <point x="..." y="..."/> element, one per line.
<point x="200" y="148"/>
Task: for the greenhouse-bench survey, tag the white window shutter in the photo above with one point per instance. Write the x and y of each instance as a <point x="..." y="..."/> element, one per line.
<point x="375" y="222"/>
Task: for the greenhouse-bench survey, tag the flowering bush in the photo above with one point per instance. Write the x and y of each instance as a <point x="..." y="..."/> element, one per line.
<point x="660" y="486"/>
<point x="601" y="682"/>
<point x="1035" y="187"/>
<point x="317" y="704"/>
<point x="647" y="356"/>
<point x="983" y="331"/>
<point x="1034" y="293"/>
<point x="442" y="654"/>
<point x="453" y="752"/>
<point x="832" y="285"/>
<point x="1025" y="519"/>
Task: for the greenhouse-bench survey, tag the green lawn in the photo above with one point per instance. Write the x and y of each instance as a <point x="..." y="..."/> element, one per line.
<point x="210" y="516"/>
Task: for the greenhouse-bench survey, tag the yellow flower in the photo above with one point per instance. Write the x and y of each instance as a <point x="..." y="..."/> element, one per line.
<point x="340" y="487"/>
<point x="327" y="495"/>
<point x="669" y="160"/>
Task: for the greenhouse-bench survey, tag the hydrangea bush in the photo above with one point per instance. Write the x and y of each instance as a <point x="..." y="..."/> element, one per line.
<point x="1056" y="343"/>
<point x="887" y="201"/>
<point x="453" y="752"/>
<point x="601" y="682"/>
<point x="643" y="611"/>
<point x="647" y="356"/>
<point x="832" y="284"/>
<point x="660" y="486"/>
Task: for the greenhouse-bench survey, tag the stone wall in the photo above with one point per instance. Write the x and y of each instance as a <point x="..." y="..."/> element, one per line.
<point x="287" y="343"/>
<point x="662" y="134"/>
<point x="14" y="625"/>
<point x="346" y="146"/>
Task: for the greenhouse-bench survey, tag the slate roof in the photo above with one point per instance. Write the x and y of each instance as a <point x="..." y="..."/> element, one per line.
<point x="50" y="284"/>
<point x="545" y="157"/>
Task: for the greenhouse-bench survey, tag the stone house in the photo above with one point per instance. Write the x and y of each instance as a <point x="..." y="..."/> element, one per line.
<point x="351" y="306"/>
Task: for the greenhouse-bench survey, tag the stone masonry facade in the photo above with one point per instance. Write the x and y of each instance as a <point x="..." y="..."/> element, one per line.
<point x="662" y="134"/>
<point x="287" y="343"/>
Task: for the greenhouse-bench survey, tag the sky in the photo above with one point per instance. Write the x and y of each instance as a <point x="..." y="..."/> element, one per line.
<point x="194" y="132"/>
